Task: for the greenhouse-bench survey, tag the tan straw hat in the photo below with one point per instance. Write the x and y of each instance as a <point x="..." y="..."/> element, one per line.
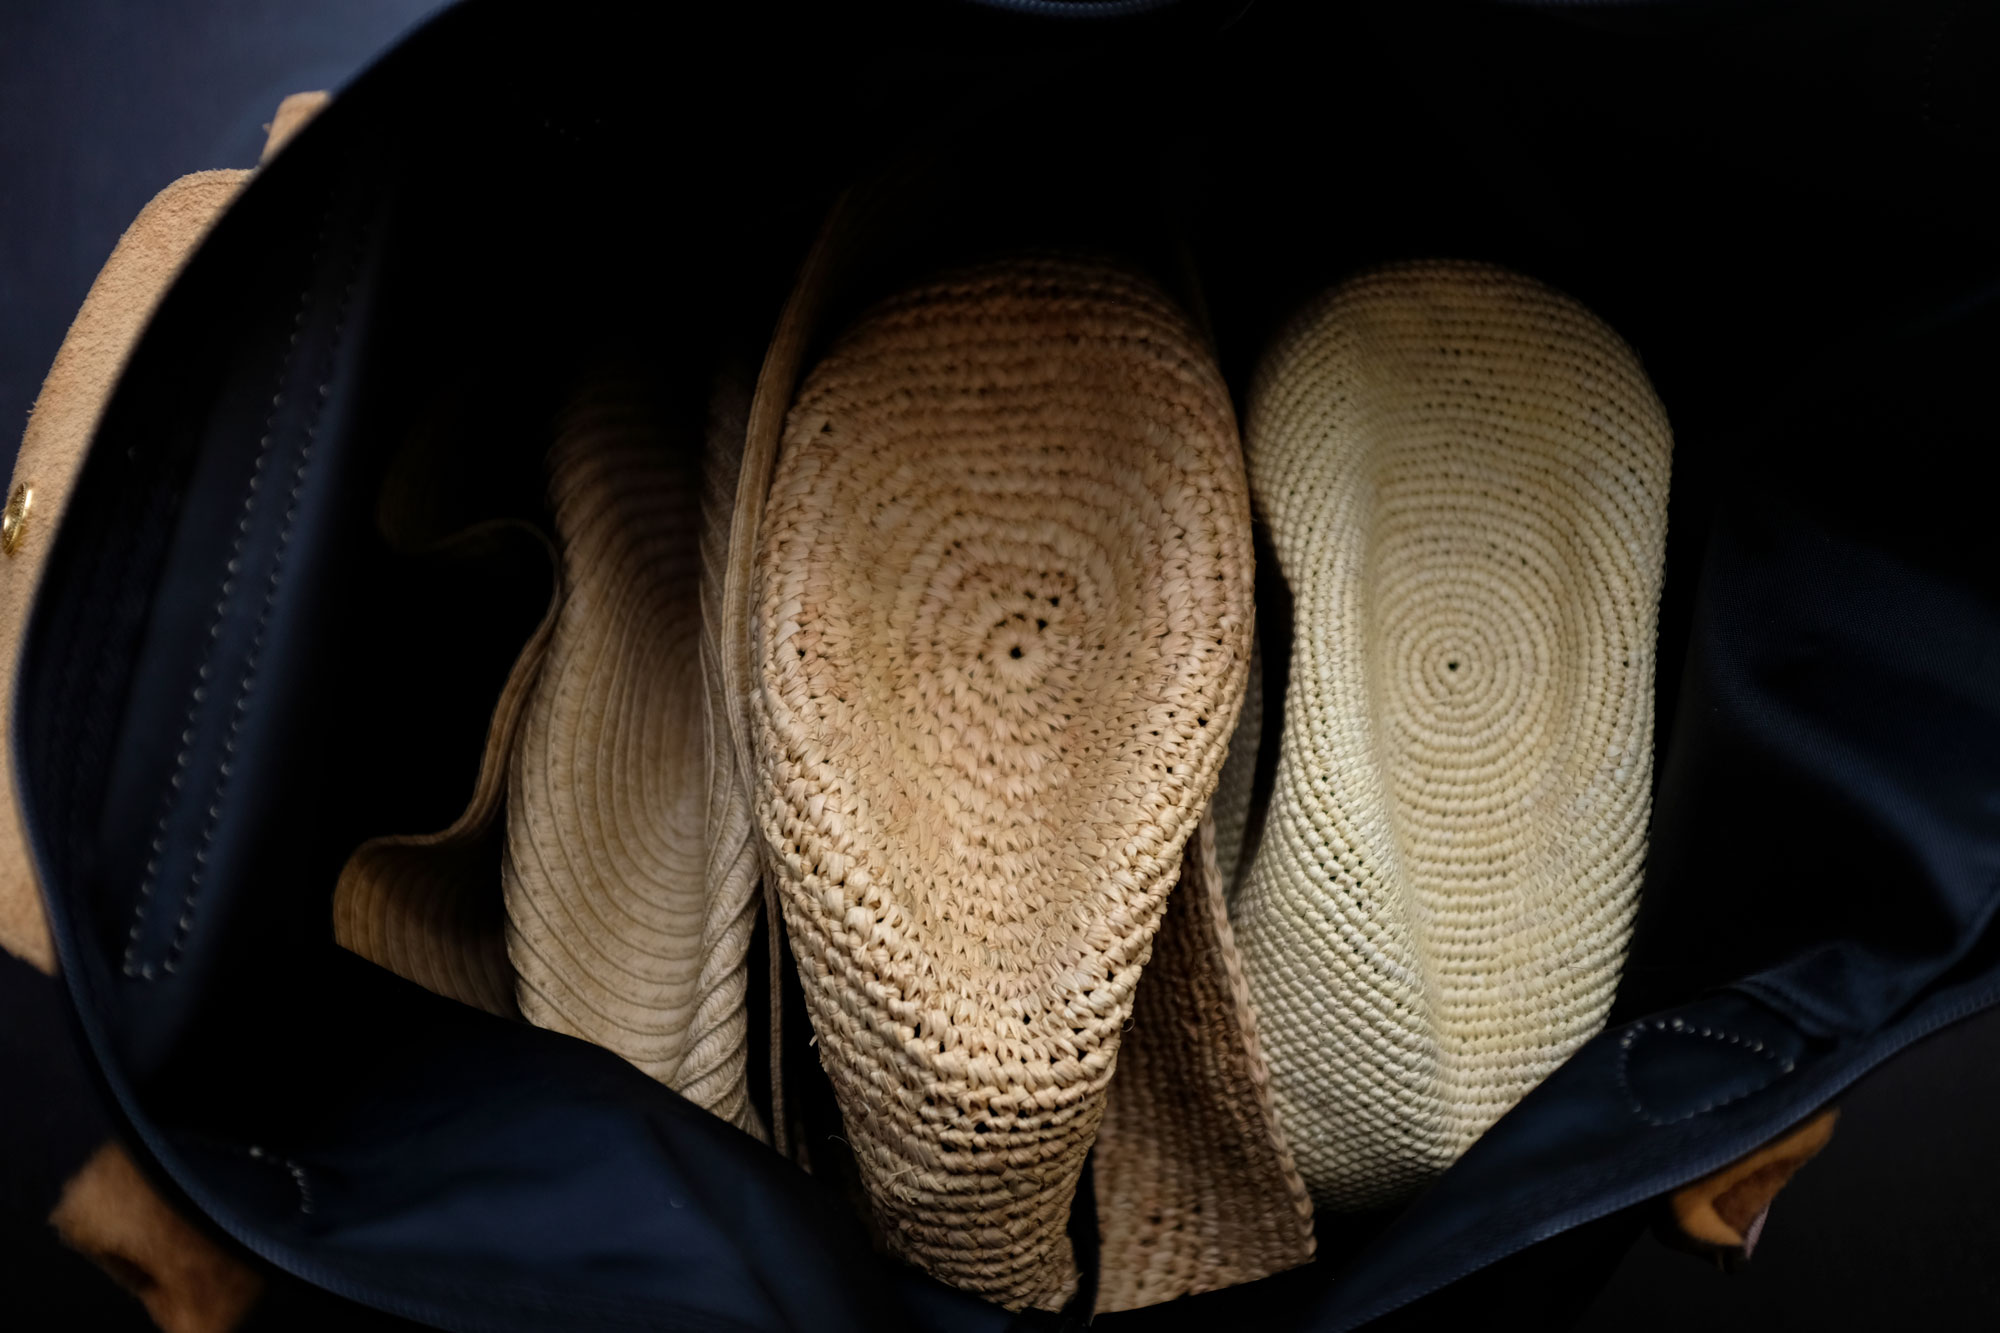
<point x="629" y="880"/>
<point x="1196" y="1189"/>
<point x="1465" y="479"/>
<point x="1002" y="617"/>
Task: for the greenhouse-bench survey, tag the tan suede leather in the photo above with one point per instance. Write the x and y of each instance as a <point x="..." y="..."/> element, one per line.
<point x="292" y="115"/>
<point x="1723" y="1213"/>
<point x="73" y="396"/>
<point x="114" y="313"/>
<point x="111" y="1214"/>
<point x="108" y="1210"/>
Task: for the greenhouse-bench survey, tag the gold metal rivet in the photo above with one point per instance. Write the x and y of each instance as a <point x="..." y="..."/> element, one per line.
<point x="14" y="526"/>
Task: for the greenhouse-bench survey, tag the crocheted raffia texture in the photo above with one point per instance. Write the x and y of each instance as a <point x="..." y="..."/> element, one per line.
<point x="1464" y="474"/>
<point x="1196" y="1189"/>
<point x="1001" y="625"/>
<point x="629" y="886"/>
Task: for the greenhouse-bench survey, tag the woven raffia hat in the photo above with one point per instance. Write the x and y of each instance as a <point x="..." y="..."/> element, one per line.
<point x="1464" y="476"/>
<point x="629" y="879"/>
<point x="1196" y="1189"/>
<point x="1002" y="614"/>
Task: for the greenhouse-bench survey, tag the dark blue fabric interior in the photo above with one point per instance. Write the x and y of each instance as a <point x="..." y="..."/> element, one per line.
<point x="1827" y="831"/>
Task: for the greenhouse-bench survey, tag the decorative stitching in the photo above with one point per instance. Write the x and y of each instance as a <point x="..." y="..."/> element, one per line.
<point x="291" y="1168"/>
<point x="1686" y="1029"/>
<point x="250" y="660"/>
<point x="131" y="965"/>
<point x="150" y="880"/>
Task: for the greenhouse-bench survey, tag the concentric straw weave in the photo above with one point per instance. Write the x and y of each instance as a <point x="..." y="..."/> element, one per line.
<point x="1002" y="619"/>
<point x="1465" y="479"/>
<point x="1195" y="1187"/>
<point x="629" y="882"/>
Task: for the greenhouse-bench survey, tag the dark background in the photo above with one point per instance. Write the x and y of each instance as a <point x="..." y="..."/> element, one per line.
<point x="103" y="102"/>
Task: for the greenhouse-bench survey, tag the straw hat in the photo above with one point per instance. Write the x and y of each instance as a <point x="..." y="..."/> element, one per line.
<point x="629" y="879"/>
<point x="1002" y="616"/>
<point x="1465" y="479"/>
<point x="1196" y="1188"/>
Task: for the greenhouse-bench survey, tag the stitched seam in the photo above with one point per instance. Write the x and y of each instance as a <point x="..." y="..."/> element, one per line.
<point x="290" y="1168"/>
<point x="1685" y="1029"/>
<point x="169" y="801"/>
<point x="251" y="659"/>
<point x="150" y="880"/>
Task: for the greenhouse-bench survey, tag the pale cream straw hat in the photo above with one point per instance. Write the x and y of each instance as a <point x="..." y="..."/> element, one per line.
<point x="1002" y="615"/>
<point x="1464" y="475"/>
<point x="629" y="880"/>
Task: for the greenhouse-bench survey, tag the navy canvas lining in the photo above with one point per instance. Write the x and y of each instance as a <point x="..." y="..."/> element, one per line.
<point x="499" y="1156"/>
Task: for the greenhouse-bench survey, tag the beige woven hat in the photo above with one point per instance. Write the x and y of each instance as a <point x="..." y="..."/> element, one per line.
<point x="629" y="879"/>
<point x="1465" y="479"/>
<point x="1002" y="608"/>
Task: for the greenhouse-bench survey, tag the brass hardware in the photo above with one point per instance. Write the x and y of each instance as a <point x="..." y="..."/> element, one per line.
<point x="14" y="526"/>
